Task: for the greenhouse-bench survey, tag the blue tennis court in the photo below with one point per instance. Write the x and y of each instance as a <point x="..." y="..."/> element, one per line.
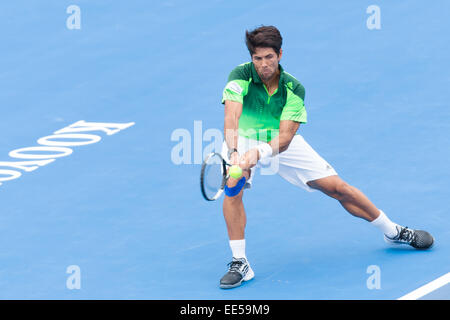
<point x="114" y="216"/>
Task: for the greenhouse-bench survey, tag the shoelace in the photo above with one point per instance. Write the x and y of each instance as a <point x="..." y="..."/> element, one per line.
<point x="406" y="234"/>
<point x="235" y="265"/>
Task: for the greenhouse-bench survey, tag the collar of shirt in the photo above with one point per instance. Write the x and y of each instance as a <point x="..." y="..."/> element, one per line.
<point x="257" y="79"/>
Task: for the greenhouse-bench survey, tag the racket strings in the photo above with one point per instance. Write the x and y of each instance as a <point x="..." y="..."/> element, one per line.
<point x="213" y="177"/>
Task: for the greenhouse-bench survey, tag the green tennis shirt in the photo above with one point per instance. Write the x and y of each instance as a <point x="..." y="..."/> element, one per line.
<point x="261" y="112"/>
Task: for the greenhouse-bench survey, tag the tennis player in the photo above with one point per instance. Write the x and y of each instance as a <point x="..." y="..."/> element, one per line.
<point x="264" y="107"/>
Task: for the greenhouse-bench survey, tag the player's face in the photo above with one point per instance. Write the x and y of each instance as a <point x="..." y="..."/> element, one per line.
<point x="266" y="62"/>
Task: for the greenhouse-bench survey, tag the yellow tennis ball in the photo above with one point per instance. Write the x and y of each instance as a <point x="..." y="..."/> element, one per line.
<point x="235" y="172"/>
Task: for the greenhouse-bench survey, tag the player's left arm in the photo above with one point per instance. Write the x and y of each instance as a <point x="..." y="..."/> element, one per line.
<point x="280" y="143"/>
<point x="292" y="115"/>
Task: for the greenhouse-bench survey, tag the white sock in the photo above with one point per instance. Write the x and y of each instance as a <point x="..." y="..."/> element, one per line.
<point x="385" y="225"/>
<point x="238" y="248"/>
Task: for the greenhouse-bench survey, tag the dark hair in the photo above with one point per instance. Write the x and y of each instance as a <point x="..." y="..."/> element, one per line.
<point x="264" y="37"/>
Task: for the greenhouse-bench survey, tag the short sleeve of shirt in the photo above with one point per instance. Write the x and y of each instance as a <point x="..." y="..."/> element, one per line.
<point x="237" y="84"/>
<point x="294" y="108"/>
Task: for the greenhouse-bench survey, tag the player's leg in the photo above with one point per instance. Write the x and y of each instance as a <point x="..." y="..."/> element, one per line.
<point x="234" y="213"/>
<point x="239" y="269"/>
<point x="352" y="199"/>
<point x="302" y="166"/>
<point x="356" y="203"/>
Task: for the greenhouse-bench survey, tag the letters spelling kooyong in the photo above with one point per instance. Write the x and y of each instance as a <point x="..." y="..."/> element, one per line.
<point x="56" y="146"/>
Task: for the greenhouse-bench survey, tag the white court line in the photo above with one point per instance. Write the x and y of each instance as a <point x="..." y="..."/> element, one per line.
<point x="426" y="289"/>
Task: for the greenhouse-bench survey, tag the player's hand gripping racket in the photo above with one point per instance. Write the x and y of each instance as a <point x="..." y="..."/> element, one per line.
<point x="213" y="176"/>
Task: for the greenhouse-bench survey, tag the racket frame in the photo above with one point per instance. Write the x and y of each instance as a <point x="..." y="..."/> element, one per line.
<point x="225" y="176"/>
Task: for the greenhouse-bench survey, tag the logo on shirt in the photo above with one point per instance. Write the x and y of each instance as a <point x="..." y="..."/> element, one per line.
<point x="235" y="87"/>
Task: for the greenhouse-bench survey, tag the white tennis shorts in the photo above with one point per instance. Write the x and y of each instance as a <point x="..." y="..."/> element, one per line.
<point x="298" y="164"/>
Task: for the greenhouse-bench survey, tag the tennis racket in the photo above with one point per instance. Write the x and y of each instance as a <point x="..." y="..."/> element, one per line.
<point x="213" y="176"/>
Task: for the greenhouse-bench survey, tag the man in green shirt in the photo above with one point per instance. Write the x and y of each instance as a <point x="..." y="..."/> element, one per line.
<point x="264" y="107"/>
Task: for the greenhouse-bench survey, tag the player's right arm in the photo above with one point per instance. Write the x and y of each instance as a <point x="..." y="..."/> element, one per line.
<point x="233" y="111"/>
<point x="233" y="98"/>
